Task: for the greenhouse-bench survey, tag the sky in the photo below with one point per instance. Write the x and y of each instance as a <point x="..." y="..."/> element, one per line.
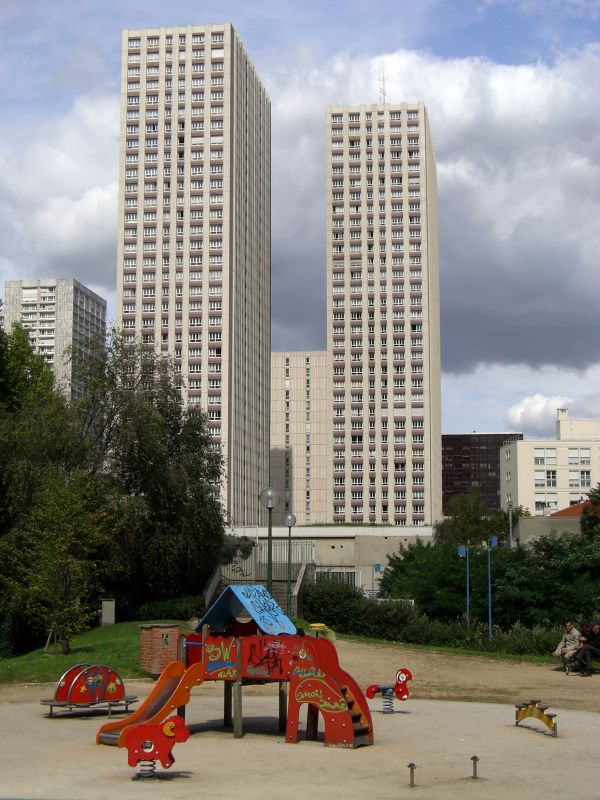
<point x="512" y="89"/>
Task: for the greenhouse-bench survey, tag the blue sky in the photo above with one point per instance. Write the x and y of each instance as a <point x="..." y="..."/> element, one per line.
<point x="512" y="90"/>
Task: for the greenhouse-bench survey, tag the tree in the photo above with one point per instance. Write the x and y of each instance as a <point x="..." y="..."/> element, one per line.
<point x="61" y="548"/>
<point x="468" y="520"/>
<point x="161" y="461"/>
<point x="590" y="517"/>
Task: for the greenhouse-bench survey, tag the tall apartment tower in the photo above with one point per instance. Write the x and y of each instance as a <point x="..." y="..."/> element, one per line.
<point x="299" y="441"/>
<point x="194" y="233"/>
<point x="383" y="316"/>
<point x="62" y="317"/>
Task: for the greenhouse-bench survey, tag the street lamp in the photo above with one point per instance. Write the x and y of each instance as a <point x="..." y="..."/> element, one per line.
<point x="491" y="544"/>
<point x="509" y="507"/>
<point x="463" y="552"/>
<point x="269" y="498"/>
<point x="290" y="521"/>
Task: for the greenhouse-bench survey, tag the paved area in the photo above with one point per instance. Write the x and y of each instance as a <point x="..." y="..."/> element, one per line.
<point x="58" y="759"/>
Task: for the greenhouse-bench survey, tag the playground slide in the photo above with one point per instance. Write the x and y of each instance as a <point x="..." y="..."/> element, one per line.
<point x="171" y="691"/>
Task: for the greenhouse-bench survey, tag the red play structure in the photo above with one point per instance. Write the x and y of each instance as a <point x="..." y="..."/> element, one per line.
<point x="264" y="648"/>
<point x="268" y="648"/>
<point x="86" y="685"/>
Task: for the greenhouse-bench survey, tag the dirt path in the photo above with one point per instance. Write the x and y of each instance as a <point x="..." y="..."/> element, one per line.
<point x="469" y="678"/>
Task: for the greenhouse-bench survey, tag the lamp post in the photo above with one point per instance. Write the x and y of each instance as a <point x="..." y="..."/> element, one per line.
<point x="463" y="552"/>
<point x="490" y="545"/>
<point x="509" y="507"/>
<point x="269" y="498"/>
<point x="290" y="521"/>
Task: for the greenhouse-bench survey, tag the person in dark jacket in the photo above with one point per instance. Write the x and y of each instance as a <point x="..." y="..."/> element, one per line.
<point x="590" y="648"/>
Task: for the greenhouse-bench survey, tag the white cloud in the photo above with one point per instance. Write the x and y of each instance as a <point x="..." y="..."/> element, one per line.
<point x="536" y="413"/>
<point x="58" y="198"/>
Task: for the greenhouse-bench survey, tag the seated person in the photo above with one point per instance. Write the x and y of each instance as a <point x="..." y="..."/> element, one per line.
<point x="590" y="648"/>
<point x="569" y="644"/>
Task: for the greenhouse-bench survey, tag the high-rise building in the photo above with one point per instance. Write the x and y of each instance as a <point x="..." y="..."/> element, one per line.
<point x="472" y="461"/>
<point x="62" y="317"/>
<point x="299" y="438"/>
<point x="383" y="316"/>
<point x="194" y="233"/>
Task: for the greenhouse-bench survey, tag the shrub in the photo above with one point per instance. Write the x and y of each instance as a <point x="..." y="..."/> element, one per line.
<point x="335" y="603"/>
<point x="346" y="610"/>
<point x="176" y="608"/>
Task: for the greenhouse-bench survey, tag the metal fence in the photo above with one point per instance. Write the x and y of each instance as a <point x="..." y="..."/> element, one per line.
<point x="253" y="569"/>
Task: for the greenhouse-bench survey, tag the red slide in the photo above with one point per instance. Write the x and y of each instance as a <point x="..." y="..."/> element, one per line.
<point x="171" y="691"/>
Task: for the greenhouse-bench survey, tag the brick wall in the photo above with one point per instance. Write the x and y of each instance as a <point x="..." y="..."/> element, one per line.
<point x="158" y="647"/>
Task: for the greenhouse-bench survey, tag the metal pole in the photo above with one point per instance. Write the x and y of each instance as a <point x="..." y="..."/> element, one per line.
<point x="510" y="525"/>
<point x="270" y="554"/>
<point x="468" y="588"/>
<point x="489" y="556"/>
<point x="289" y="572"/>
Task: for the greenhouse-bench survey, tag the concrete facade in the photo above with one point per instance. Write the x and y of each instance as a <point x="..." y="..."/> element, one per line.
<point x="193" y="278"/>
<point x="61" y="315"/>
<point x="383" y="316"/>
<point x="358" y="553"/>
<point x="547" y="475"/>
<point x="299" y="434"/>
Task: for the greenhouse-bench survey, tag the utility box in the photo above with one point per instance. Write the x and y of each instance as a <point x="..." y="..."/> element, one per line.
<point x="107" y="612"/>
<point x="158" y="646"/>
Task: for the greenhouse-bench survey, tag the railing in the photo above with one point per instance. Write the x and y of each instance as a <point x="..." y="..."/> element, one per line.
<point x="253" y="569"/>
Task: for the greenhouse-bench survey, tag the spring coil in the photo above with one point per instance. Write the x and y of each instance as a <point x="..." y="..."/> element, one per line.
<point x="147" y="769"/>
<point x="388" y="700"/>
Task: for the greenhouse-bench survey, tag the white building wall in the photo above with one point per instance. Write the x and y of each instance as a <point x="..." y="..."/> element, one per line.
<point x="547" y="475"/>
<point x="193" y="278"/>
<point x="62" y="317"/>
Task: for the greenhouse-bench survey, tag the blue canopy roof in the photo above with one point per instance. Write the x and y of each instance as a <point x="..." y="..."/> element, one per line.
<point x="256" y="601"/>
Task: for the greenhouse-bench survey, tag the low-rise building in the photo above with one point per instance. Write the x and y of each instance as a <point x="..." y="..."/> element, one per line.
<point x="545" y="475"/>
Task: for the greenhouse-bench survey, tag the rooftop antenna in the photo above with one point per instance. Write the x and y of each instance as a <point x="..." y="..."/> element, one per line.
<point x="382" y="92"/>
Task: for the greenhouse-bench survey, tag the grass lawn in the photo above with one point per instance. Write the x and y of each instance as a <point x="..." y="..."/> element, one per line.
<point x="117" y="646"/>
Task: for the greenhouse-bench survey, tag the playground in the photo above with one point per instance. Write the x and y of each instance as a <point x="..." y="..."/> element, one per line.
<point x="455" y="737"/>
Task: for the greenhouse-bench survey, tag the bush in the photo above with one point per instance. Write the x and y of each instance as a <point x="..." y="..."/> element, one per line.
<point x="176" y="608"/>
<point x="335" y="603"/>
<point x="346" y="610"/>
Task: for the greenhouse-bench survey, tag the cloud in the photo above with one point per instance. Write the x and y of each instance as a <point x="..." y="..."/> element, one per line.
<point x="58" y="198"/>
<point x="519" y="197"/>
<point x="536" y="413"/>
<point x="514" y="397"/>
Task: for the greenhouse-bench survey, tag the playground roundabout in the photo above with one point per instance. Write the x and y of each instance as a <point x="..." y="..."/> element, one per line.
<point x="460" y="707"/>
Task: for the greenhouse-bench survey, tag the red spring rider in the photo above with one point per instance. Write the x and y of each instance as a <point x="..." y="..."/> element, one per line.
<point x="400" y="689"/>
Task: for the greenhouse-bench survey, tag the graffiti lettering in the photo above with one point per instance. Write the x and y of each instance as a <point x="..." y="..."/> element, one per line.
<point x="305" y="672"/>
<point x="315" y="696"/>
<point x="268" y="657"/>
<point x="264" y="609"/>
<point x="263" y="672"/>
<point x="226" y="673"/>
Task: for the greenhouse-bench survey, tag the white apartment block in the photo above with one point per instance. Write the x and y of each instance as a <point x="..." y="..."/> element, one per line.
<point x="383" y="317"/>
<point x="62" y="318"/>
<point x="548" y="475"/>
<point x="299" y="435"/>
<point x="194" y="233"/>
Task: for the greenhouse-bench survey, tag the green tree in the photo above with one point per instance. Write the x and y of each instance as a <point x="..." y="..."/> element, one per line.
<point x="60" y="549"/>
<point x="159" y="457"/>
<point x="590" y="517"/>
<point x="468" y="520"/>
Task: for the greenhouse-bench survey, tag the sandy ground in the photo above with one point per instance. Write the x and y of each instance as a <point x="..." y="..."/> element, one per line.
<point x="460" y="707"/>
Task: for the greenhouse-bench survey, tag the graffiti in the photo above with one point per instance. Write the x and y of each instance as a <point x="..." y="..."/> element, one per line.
<point x="321" y="696"/>
<point x="257" y="672"/>
<point x="225" y="674"/>
<point x="220" y="652"/>
<point x="267" y="657"/>
<point x="308" y="672"/>
<point x="265" y="610"/>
